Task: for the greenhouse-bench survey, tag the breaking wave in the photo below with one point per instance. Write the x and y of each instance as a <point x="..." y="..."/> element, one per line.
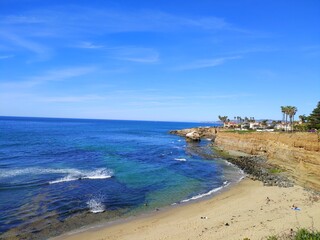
<point x="72" y="174"/>
<point x="225" y="184"/>
<point x="95" y="206"/>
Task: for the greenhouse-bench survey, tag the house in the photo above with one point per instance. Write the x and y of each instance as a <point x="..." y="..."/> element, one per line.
<point x="283" y="126"/>
<point x="254" y="125"/>
<point x="245" y="125"/>
<point x="230" y="124"/>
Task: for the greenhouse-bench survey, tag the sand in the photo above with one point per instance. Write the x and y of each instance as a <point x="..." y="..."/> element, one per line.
<point x="247" y="210"/>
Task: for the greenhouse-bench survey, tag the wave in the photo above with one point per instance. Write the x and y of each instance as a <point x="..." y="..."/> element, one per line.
<point x="95" y="206"/>
<point x="233" y="165"/>
<point x="102" y="173"/>
<point x="180" y="159"/>
<point x="225" y="184"/>
<point x="72" y="173"/>
<point x="230" y="164"/>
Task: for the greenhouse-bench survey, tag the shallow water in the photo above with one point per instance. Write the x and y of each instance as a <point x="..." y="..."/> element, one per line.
<point x="60" y="174"/>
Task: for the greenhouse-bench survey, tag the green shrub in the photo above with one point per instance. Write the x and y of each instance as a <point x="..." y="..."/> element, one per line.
<point x="304" y="234"/>
<point x="275" y="170"/>
<point x="272" y="238"/>
<point x="301" y="234"/>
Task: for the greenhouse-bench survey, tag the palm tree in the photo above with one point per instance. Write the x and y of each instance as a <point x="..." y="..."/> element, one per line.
<point x="303" y="118"/>
<point x="223" y="119"/>
<point x="292" y="112"/>
<point x="289" y="111"/>
<point x="283" y="110"/>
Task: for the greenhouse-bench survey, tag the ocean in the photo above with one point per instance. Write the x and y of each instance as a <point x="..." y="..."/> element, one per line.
<point x="58" y="175"/>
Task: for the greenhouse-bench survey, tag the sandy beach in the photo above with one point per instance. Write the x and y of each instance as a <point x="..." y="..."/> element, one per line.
<point x="247" y="210"/>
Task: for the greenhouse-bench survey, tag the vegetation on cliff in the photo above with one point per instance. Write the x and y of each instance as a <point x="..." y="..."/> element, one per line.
<point x="314" y="118"/>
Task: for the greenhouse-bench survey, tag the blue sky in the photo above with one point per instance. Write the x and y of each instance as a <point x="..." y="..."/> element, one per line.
<point x="158" y="60"/>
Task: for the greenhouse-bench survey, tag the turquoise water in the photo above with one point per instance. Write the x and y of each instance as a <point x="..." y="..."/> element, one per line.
<point x="54" y="172"/>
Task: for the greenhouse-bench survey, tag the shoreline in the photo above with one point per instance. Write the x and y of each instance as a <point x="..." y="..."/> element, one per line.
<point x="248" y="209"/>
<point x="149" y="213"/>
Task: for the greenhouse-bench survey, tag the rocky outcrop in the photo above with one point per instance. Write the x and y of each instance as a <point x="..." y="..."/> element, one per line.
<point x="258" y="169"/>
<point x="196" y="133"/>
<point x="298" y="154"/>
<point x="193" y="136"/>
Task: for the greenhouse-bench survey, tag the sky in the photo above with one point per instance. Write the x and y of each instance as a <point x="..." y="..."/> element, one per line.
<point x="159" y="60"/>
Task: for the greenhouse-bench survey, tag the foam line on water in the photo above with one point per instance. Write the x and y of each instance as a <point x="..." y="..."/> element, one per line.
<point x="72" y="174"/>
<point x="37" y="171"/>
<point x="180" y="159"/>
<point x="97" y="174"/>
<point x="225" y="184"/>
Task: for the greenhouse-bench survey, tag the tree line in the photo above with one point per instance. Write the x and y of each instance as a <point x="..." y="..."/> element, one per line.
<point x="310" y="122"/>
<point x="288" y="112"/>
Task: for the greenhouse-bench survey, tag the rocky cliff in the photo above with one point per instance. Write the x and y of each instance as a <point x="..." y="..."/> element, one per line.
<point x="297" y="154"/>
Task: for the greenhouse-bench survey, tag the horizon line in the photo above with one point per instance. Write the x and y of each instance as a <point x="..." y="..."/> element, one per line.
<point x="108" y="119"/>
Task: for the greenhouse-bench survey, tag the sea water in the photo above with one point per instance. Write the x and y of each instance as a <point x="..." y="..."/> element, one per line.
<point x="60" y="174"/>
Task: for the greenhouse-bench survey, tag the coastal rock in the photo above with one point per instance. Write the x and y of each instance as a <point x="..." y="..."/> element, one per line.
<point x="258" y="169"/>
<point x="193" y="136"/>
<point x="256" y="166"/>
<point x="297" y="154"/>
<point x="204" y="132"/>
<point x="272" y="157"/>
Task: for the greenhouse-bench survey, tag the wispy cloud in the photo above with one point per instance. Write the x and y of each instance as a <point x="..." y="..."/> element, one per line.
<point x="124" y="53"/>
<point x="97" y="21"/>
<point x="224" y="96"/>
<point x="135" y="54"/>
<point x="53" y="75"/>
<point x="250" y="50"/>
<point x="206" y="63"/>
<point x="20" y="19"/>
<point x="88" y="45"/>
<point x="73" y="99"/>
<point x="6" y="57"/>
<point x="42" y="52"/>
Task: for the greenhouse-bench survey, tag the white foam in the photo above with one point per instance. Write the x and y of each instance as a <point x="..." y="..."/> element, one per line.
<point x="96" y="206"/>
<point x="180" y="159"/>
<point x="65" y="179"/>
<point x="225" y="184"/>
<point x="36" y="171"/>
<point x="177" y="147"/>
<point x="72" y="174"/>
<point x="101" y="173"/>
<point x="229" y="163"/>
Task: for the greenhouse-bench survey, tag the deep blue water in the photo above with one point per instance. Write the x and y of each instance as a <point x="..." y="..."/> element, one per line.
<point x="54" y="169"/>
